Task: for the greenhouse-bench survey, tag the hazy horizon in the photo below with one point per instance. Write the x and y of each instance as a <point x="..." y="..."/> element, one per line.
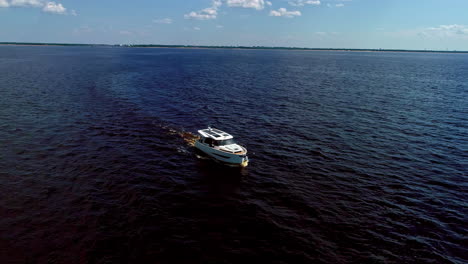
<point x="155" y="45"/>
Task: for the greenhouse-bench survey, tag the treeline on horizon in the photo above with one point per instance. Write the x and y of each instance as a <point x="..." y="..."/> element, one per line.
<point x="218" y="47"/>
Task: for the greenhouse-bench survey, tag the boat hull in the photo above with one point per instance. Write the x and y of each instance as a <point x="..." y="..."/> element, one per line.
<point x="231" y="159"/>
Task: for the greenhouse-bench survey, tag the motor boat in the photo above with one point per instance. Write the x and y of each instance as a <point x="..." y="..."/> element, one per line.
<point x="221" y="146"/>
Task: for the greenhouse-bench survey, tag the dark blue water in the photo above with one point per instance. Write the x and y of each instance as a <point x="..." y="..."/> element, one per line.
<point x="355" y="157"/>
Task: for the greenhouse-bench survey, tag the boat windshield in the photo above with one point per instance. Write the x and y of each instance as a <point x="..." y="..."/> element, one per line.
<point x="224" y="142"/>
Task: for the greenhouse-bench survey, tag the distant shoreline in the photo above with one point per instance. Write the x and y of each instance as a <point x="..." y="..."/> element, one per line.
<point x="224" y="47"/>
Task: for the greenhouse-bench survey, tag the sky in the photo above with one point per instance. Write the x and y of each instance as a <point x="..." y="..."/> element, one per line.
<point x="373" y="24"/>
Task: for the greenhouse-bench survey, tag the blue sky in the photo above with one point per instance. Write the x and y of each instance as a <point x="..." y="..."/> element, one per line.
<point x="396" y="24"/>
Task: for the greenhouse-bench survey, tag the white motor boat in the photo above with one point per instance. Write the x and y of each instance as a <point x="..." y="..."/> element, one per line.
<point x="221" y="146"/>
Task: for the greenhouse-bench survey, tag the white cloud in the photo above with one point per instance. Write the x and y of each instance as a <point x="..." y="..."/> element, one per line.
<point x="219" y="26"/>
<point x="196" y="28"/>
<point x="216" y="3"/>
<point x="443" y="31"/>
<point x="304" y="2"/>
<point x="47" y="6"/>
<point x="205" y="14"/>
<point x="4" y="3"/>
<point x="55" y="8"/>
<point x="256" y="4"/>
<point x="268" y="3"/>
<point x="338" y="5"/>
<point x="283" y="12"/>
<point x="162" y="21"/>
<point x="27" y="3"/>
<point x="438" y="34"/>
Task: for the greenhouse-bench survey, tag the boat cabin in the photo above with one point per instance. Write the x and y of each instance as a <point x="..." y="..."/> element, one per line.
<point x="215" y="137"/>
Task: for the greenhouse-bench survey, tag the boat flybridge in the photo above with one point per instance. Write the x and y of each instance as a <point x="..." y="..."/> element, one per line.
<point x="221" y="146"/>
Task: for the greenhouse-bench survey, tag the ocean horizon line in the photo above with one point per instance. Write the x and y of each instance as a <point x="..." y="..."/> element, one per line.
<point x="228" y="47"/>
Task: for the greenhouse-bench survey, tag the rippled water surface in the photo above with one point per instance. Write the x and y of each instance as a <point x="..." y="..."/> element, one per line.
<point x="355" y="157"/>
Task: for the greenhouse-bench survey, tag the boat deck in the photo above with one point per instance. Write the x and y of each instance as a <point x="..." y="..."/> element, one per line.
<point x="243" y="152"/>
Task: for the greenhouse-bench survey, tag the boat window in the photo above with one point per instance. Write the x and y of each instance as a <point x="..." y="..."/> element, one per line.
<point x="224" y="142"/>
<point x="209" y="141"/>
